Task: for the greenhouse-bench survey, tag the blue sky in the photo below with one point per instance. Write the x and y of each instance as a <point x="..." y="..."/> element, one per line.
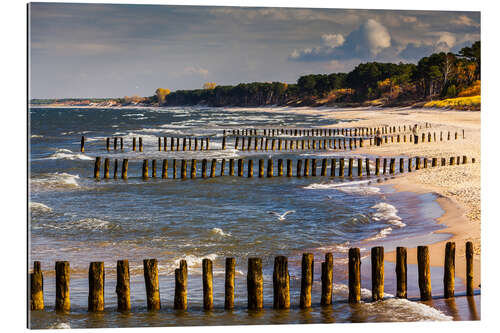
<point x="94" y="50"/>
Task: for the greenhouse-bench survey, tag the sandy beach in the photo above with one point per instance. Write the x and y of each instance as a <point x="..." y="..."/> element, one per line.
<point x="458" y="187"/>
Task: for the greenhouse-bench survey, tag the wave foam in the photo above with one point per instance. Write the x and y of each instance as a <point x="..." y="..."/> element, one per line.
<point x="36" y="207"/>
<point x="218" y="231"/>
<point x="55" y="181"/>
<point x="388" y="213"/>
<point x="86" y="224"/>
<point x="63" y="326"/>
<point x="66" y="154"/>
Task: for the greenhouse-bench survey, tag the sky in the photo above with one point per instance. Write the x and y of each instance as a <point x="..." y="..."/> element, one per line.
<point x="98" y="50"/>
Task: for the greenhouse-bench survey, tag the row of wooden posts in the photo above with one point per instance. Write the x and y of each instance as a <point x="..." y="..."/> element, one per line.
<point x="305" y="167"/>
<point x="355" y="131"/>
<point x="265" y="143"/>
<point x="281" y="280"/>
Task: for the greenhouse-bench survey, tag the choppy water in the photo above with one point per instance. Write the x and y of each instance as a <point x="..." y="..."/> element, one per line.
<point x="78" y="219"/>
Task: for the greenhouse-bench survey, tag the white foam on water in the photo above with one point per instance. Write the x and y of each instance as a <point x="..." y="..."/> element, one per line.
<point x="381" y="234"/>
<point x="395" y="309"/>
<point x="349" y="187"/>
<point x="388" y="213"/>
<point x="86" y="224"/>
<point x="63" y="326"/>
<point x="364" y="190"/>
<point x="36" y="207"/>
<point x="66" y="154"/>
<point x="218" y="231"/>
<point x="34" y="136"/>
<point x="55" y="181"/>
<point x="344" y="248"/>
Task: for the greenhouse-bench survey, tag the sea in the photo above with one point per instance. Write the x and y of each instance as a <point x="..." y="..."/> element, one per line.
<point x="75" y="218"/>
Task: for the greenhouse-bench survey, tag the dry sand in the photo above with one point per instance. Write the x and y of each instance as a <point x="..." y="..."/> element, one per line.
<point x="459" y="187"/>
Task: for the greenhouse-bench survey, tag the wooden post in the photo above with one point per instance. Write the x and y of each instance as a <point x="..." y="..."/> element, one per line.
<point x="354" y="275"/>
<point x="159" y="143"/>
<point x="193" y="168"/>
<point x="443" y="161"/>
<point x="152" y="284"/>
<point x="145" y="171"/>
<point x="307" y="280"/>
<point x="360" y="167"/>
<point x="327" y="280"/>
<point x="401" y="165"/>
<point x="115" y="143"/>
<point x="424" y="273"/>
<point x="140" y="144"/>
<point x="212" y="168"/>
<point x="280" y="167"/>
<point x="341" y="167"/>
<point x="299" y="168"/>
<point x="204" y="168"/>
<point x="153" y="166"/>
<point x="106" y="168"/>
<point x="183" y="169"/>
<point x="165" y="143"/>
<point x="107" y="144"/>
<point x="289" y="171"/>
<point x="196" y="144"/>
<point x="452" y="160"/>
<point x="222" y="166"/>
<point x="270" y="167"/>
<point x="434" y="162"/>
<point x="123" y="285"/>
<point x="208" y="299"/>
<point x="417" y="163"/>
<point x="96" y="287"/>
<point x="273" y="144"/>
<point x="449" y="270"/>
<point x="181" y="281"/>
<point x="306" y="167"/>
<point x="349" y="171"/>
<point x="184" y="144"/>
<point x="82" y="144"/>
<point x="164" y="169"/>
<point x="224" y="142"/>
<point x="97" y="167"/>
<point x="255" y="284"/>
<point x="134" y="144"/>
<point x="377" y="273"/>
<point x="229" y="284"/>
<point x="281" y="283"/>
<point x="177" y="144"/>
<point x="231" y="167"/>
<point x="367" y="166"/>
<point x="377" y="166"/>
<point x="401" y="275"/>
<point x="392" y="166"/>
<point x="62" y="286"/>
<point x="261" y="168"/>
<point x="313" y="167"/>
<point x="36" y="287"/>
<point x="333" y="165"/>
<point x="425" y="162"/>
<point x="240" y="167"/>
<point x="250" y="169"/>
<point x="324" y="165"/>
<point x="243" y="147"/>
<point x="469" y="260"/>
<point x="124" y="169"/>
<point x="115" y="171"/>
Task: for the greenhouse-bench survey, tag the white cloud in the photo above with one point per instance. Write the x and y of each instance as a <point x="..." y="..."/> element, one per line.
<point x="377" y="36"/>
<point x="332" y="40"/>
<point x="464" y="20"/>
<point x="192" y="70"/>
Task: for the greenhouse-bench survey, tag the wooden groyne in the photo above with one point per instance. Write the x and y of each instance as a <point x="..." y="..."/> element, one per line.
<point x="330" y="167"/>
<point x="255" y="280"/>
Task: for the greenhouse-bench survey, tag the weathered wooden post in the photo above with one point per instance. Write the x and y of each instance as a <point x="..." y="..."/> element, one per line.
<point x="145" y="171"/>
<point x="196" y="144"/>
<point x="115" y="170"/>
<point x="181" y="281"/>
<point x="165" y="144"/>
<point x="231" y="167"/>
<point x="36" y="287"/>
<point x="140" y="144"/>
<point x="224" y="142"/>
<point x="280" y="167"/>
<point x="324" y="166"/>
<point x="306" y="167"/>
<point x="240" y="167"/>
<point x="159" y="143"/>
<point x="152" y="284"/>
<point x="377" y="256"/>
<point x="392" y="165"/>
<point x="133" y="144"/>
<point x="62" y="286"/>
<point x="360" y="167"/>
<point x="106" y="168"/>
<point x="434" y="162"/>
<point x="401" y="165"/>
<point x="107" y="144"/>
<point x="96" y="287"/>
<point x="177" y="144"/>
<point x="261" y="168"/>
<point x="97" y="167"/>
<point x="213" y="166"/>
<point x="174" y="169"/>
<point x="327" y="280"/>
<point x="183" y="169"/>
<point x="222" y="166"/>
<point x="299" y="168"/>
<point x="208" y="300"/>
<point x="417" y="163"/>
<point x="250" y="169"/>
<point x="281" y="284"/>
<point x="243" y="147"/>
<point x="449" y="270"/>
<point x="164" y="169"/>
<point x="424" y="273"/>
<point x="313" y="167"/>
<point x="367" y="166"/>
<point x="153" y="166"/>
<point x="184" y="144"/>
<point x="289" y="171"/>
<point x="273" y="144"/>
<point x="255" y="284"/>
<point x="82" y="144"/>
<point x="307" y="280"/>
<point x="229" y="284"/>
<point x="354" y="275"/>
<point x="270" y="172"/>
<point x="469" y="261"/>
<point x="204" y="168"/>
<point x="377" y="166"/>
<point x="410" y="164"/>
<point x="349" y="171"/>
<point x="425" y="162"/>
<point x="456" y="135"/>
<point x="123" y="285"/>
<point x="256" y="143"/>
<point x="452" y="160"/>
<point x="341" y="167"/>
<point x="333" y="165"/>
<point x="401" y="275"/>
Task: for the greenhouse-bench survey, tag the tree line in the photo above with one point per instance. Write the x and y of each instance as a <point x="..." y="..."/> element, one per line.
<point x="440" y="75"/>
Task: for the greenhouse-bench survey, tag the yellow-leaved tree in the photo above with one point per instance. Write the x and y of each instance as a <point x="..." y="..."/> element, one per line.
<point x="209" y="85"/>
<point x="162" y="93"/>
